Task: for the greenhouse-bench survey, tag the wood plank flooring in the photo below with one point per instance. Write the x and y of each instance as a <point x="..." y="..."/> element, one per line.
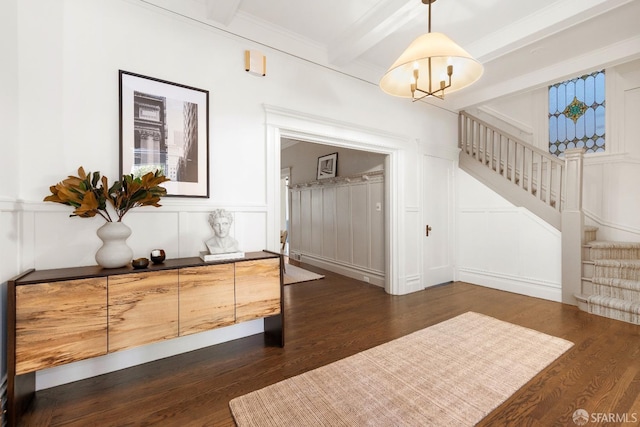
<point x="329" y="319"/>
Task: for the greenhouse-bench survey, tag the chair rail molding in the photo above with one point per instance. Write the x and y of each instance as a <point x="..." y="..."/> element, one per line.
<point x="601" y="222"/>
<point x="7" y="203"/>
<point x="361" y="177"/>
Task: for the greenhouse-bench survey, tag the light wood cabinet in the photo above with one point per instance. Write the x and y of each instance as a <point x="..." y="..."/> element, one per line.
<point x="257" y="289"/>
<point x="65" y="315"/>
<point x="60" y="322"/>
<point x="207" y="298"/>
<point x="143" y="308"/>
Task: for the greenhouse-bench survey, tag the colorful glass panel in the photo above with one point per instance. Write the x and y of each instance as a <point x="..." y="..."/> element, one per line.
<point x="577" y="114"/>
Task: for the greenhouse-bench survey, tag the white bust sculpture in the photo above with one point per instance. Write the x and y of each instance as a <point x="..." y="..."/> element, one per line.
<point x="221" y="243"/>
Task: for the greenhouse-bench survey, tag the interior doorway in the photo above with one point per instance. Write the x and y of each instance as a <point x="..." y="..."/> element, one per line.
<point x="282" y="123"/>
<point x="335" y="223"/>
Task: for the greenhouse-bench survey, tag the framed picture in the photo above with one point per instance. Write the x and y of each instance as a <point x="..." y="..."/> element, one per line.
<point x="165" y="125"/>
<point x="327" y="166"/>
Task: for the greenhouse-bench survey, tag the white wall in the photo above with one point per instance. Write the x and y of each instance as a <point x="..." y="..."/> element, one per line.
<point x="302" y="158"/>
<point x="503" y="246"/>
<point x="497" y="241"/>
<point x="62" y="107"/>
<point x="9" y="187"/>
<point x="9" y="177"/>
<point x="610" y="178"/>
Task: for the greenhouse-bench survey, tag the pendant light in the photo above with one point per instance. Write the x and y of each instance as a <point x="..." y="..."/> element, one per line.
<point x="431" y="65"/>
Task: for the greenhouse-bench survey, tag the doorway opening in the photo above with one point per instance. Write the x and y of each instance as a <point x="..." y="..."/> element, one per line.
<point x="283" y="123"/>
<point x="335" y="223"/>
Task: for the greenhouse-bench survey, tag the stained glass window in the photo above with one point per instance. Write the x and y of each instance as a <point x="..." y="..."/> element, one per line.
<point x="576" y="114"/>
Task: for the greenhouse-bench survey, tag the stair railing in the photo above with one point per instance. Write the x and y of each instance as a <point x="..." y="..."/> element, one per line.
<point x="541" y="175"/>
<point x="532" y="169"/>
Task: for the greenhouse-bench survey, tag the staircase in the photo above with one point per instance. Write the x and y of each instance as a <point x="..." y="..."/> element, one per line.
<point x="604" y="277"/>
<point x="518" y="171"/>
<point x="611" y="278"/>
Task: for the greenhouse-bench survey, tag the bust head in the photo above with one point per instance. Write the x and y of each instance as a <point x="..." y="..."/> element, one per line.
<point x="220" y="221"/>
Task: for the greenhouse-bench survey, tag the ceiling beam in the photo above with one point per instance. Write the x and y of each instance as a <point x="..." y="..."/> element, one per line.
<point x="618" y="53"/>
<point x="539" y="25"/>
<point x="222" y="11"/>
<point x="387" y="17"/>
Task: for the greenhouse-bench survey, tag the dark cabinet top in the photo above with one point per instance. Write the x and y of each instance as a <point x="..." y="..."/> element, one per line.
<point x="71" y="273"/>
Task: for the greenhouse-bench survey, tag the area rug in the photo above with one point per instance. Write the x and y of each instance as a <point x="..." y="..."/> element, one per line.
<point x="450" y="374"/>
<point x="294" y="274"/>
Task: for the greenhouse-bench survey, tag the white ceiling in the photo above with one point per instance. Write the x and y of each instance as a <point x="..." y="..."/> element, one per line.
<point x="521" y="43"/>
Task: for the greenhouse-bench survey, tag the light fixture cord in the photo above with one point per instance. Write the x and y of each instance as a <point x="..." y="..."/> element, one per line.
<point x="429" y="59"/>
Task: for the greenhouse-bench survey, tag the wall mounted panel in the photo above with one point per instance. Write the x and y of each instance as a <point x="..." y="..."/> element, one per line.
<point x="350" y="228"/>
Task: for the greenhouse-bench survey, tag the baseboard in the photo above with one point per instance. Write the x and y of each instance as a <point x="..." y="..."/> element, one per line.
<point x="544" y="290"/>
<point x="368" y="276"/>
<point x="413" y="284"/>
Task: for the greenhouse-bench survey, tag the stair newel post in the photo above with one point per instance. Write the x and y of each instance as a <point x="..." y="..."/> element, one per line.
<point x="572" y="225"/>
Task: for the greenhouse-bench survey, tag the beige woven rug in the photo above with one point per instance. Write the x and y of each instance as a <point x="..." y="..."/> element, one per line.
<point x="294" y="274"/>
<point x="450" y="374"/>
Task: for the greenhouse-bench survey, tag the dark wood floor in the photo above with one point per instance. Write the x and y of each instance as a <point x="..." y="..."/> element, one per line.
<point x="336" y="317"/>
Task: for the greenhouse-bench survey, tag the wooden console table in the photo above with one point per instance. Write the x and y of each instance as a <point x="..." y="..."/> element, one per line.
<point x="65" y="315"/>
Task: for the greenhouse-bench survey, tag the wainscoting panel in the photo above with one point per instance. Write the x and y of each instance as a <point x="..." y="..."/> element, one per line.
<point x="509" y="249"/>
<point x="305" y="212"/>
<point x="343" y="237"/>
<point x="413" y="221"/>
<point x="329" y="223"/>
<point x="295" y="241"/>
<point x="339" y="225"/>
<point x="360" y="225"/>
<point x="609" y="196"/>
<point x="59" y="241"/>
<point x="376" y="197"/>
<point x="316" y="221"/>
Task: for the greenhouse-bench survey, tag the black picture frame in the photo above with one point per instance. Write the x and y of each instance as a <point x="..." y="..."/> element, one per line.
<point x="327" y="166"/>
<point x="165" y="125"/>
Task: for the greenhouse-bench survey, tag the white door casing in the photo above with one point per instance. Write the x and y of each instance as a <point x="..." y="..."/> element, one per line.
<point x="281" y="122"/>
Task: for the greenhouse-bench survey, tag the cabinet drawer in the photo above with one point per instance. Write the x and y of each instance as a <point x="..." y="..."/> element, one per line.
<point x="143" y="308"/>
<point x="257" y="289"/>
<point x="207" y="298"/>
<point x="60" y="322"/>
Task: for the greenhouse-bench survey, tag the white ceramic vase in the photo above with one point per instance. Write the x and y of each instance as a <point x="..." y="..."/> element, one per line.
<point x="114" y="252"/>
